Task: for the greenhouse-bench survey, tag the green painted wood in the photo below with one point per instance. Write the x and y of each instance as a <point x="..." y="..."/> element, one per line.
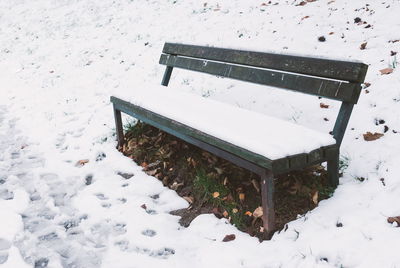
<point x="298" y="161"/>
<point x="342" y="121"/>
<point x="267" y="202"/>
<point x="336" y="90"/>
<point x="167" y="76"/>
<point x="334" y="69"/>
<point x="333" y="166"/>
<point x="315" y="155"/>
<point x="118" y="126"/>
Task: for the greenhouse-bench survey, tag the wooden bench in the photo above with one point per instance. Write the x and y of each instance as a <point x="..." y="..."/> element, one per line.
<point x="183" y="116"/>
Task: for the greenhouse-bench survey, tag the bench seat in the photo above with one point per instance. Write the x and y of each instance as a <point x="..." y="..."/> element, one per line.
<point x="261" y="134"/>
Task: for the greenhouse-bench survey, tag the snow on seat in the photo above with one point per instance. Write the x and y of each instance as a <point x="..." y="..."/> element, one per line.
<point x="261" y="134"/>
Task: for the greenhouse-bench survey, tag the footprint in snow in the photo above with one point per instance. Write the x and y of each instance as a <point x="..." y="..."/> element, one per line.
<point x="119" y="228"/>
<point x="101" y="196"/>
<point x="41" y="263"/>
<point x="6" y="195"/>
<point x="106" y="205"/>
<point x="3" y="257"/>
<point x="149" y="232"/>
<point x="4" y="246"/>
<point x="151" y="211"/>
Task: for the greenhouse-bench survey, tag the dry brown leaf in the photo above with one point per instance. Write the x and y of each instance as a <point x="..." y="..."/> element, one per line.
<point x="371" y="137"/>
<point x="219" y="170"/>
<point x="176" y="185"/>
<point x="323" y="105"/>
<point x="366" y="84"/>
<point x="143" y="206"/>
<point x="215" y="194"/>
<point x="235" y="210"/>
<point x="225" y="214"/>
<point x="151" y="172"/>
<point x="248" y="213"/>
<point x="258" y="212"/>
<point x="315" y="198"/>
<point x="386" y="71"/>
<point x="255" y="185"/>
<point x="363" y="46"/>
<point x="144" y="165"/>
<point x="394" y="219"/>
<point x="82" y="162"/>
<point x="241" y="196"/>
<point x="190" y="199"/>
<point x="228" y="238"/>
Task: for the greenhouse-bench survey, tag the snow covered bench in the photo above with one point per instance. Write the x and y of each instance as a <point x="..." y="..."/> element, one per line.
<point x="260" y="143"/>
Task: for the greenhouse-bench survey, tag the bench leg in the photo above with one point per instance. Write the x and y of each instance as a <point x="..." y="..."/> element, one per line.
<point x="333" y="167"/>
<point x="118" y="127"/>
<point x="267" y="201"/>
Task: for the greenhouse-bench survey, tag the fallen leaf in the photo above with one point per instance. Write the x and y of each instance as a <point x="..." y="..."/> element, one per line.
<point x="190" y="199"/>
<point x="394" y="219"/>
<point x="386" y="71"/>
<point x="82" y="162"/>
<point x="258" y="212"/>
<point x="151" y="172"/>
<point x="315" y="198"/>
<point x="219" y="170"/>
<point x="248" y="213"/>
<point x="143" y="206"/>
<point x="255" y="184"/>
<point x="363" y="46"/>
<point x="228" y="238"/>
<point x="235" y="210"/>
<point x="323" y="105"/>
<point x="262" y="229"/>
<point x="366" y="84"/>
<point x="225" y="214"/>
<point x="241" y="196"/>
<point x="371" y="137"/>
<point x="215" y="194"/>
<point x="176" y="185"/>
<point x="144" y="165"/>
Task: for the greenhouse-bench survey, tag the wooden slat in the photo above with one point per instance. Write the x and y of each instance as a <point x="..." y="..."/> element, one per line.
<point x="315" y="155"/>
<point x="341" y="70"/>
<point x="336" y="90"/>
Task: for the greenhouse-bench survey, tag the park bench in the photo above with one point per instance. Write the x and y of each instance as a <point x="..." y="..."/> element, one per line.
<point x="262" y="144"/>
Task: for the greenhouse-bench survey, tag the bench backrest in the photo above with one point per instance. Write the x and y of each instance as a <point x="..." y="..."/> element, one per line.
<point x="338" y="80"/>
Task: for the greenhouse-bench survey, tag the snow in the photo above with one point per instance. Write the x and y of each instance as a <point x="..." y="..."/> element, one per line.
<point x="258" y="133"/>
<point x="61" y="60"/>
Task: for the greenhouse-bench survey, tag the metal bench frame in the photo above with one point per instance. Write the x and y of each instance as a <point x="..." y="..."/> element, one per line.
<point x="338" y="80"/>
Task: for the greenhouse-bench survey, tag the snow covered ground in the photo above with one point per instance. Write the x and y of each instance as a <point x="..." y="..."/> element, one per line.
<point x="61" y="60"/>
